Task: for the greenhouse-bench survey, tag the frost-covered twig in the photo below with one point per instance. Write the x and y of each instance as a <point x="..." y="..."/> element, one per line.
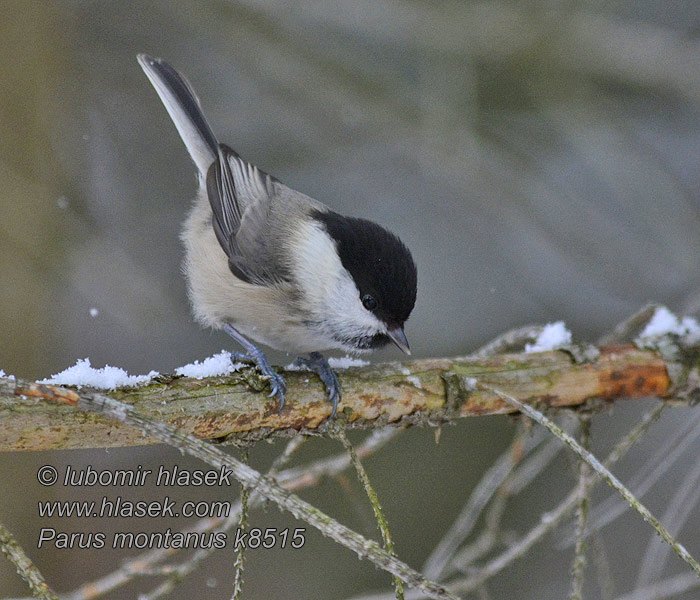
<point x="600" y="557"/>
<point x="25" y="567"/>
<point x="510" y="341"/>
<point x="179" y="572"/>
<point x="598" y="467"/>
<point x="550" y="519"/>
<point x="488" y="537"/>
<point x="631" y="327"/>
<point x="656" y="465"/>
<point x="579" y="563"/>
<point x="382" y="522"/>
<point x="667" y="588"/>
<point x="240" y="554"/>
<point x="438" y="561"/>
<point x="680" y="507"/>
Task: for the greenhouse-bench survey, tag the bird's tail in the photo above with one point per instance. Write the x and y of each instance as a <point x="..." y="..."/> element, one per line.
<point x="183" y="106"/>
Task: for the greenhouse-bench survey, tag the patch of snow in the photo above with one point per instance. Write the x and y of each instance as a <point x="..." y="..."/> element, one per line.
<point x="336" y="363"/>
<point x="296" y="367"/>
<point x="415" y="381"/>
<point x="552" y="336"/>
<point x="405" y="371"/>
<point x="470" y="383"/>
<point x="664" y="322"/>
<point x="692" y="329"/>
<point x="106" y="378"/>
<point x="346" y="362"/>
<point x="219" y="364"/>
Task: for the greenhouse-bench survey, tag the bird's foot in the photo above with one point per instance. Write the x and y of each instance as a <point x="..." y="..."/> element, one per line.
<point x="255" y="355"/>
<point x="277" y="383"/>
<point x="316" y="362"/>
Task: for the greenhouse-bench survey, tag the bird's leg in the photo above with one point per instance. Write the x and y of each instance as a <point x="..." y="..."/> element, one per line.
<point x="316" y="362"/>
<point x="253" y="353"/>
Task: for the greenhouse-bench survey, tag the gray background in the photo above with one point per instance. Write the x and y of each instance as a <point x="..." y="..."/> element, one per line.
<point x="539" y="158"/>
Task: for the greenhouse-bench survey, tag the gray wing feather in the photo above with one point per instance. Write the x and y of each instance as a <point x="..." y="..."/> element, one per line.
<point x="241" y="199"/>
<point x="239" y="193"/>
<point x="184" y="109"/>
<point x="221" y="190"/>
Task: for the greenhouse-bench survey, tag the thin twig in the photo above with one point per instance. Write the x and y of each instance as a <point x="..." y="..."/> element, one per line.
<point x="176" y="576"/>
<point x="434" y="567"/>
<point x="26" y="569"/>
<point x="677" y="511"/>
<point x="602" y="562"/>
<point x="663" y="459"/>
<point x="531" y="467"/>
<point x="579" y="562"/>
<point x="179" y="572"/>
<point x="664" y="589"/>
<point x="511" y="341"/>
<point x="550" y="519"/>
<point x="488" y="538"/>
<point x="240" y="554"/>
<point x="634" y="435"/>
<point x="596" y="465"/>
<point x="513" y="485"/>
<point x="382" y="522"/>
<point x="282" y="459"/>
<point x="311" y="474"/>
<point x="630" y="328"/>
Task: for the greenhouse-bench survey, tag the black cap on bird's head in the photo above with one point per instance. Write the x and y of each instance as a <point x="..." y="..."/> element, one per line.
<point x="383" y="271"/>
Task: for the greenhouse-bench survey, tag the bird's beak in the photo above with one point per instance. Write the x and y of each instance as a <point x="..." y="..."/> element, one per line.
<point x="397" y="336"/>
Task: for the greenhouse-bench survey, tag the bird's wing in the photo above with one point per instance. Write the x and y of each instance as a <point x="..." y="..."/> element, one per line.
<point x="241" y="199"/>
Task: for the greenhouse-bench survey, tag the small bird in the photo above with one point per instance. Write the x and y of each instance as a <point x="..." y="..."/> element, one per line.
<point x="268" y="263"/>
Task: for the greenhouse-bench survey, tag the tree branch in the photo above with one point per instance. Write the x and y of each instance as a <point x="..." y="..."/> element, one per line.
<point x="25" y="567"/>
<point x="421" y="392"/>
<point x="248" y="477"/>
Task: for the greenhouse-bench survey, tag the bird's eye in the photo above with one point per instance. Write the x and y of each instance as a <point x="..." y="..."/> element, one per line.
<point x="368" y="302"/>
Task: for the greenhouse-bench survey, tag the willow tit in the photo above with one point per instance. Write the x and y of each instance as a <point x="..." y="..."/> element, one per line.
<point x="266" y="262"/>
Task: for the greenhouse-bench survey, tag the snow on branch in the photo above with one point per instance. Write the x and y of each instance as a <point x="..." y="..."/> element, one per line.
<point x="234" y="406"/>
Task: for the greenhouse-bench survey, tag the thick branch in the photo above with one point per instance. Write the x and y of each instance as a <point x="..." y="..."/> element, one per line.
<point x="425" y="392"/>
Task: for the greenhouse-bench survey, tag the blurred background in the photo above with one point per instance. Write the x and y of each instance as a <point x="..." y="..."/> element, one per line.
<point x="540" y="158"/>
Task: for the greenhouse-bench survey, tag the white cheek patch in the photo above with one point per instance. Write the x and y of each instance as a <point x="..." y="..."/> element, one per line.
<point x="350" y="316"/>
<point x="329" y="289"/>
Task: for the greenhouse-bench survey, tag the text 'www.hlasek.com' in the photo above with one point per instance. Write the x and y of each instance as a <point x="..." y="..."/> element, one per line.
<point x="117" y="506"/>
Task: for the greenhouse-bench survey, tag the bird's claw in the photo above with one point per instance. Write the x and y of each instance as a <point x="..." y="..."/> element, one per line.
<point x="316" y="362"/>
<point x="278" y="387"/>
<point x="277" y="384"/>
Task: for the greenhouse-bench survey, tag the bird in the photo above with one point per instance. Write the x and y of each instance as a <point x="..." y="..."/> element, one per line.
<point x="267" y="263"/>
